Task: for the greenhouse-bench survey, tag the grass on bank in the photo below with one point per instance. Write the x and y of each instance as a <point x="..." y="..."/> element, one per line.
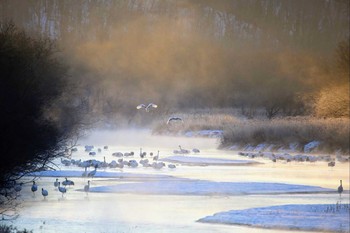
<point x="332" y="133"/>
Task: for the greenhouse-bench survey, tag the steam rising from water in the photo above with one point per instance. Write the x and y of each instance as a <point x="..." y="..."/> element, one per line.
<point x="143" y="138"/>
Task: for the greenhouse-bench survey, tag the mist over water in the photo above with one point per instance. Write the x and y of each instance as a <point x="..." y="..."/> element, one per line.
<point x="144" y="138"/>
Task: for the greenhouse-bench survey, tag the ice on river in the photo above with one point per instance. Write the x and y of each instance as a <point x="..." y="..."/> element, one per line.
<point x="202" y="187"/>
<point x="166" y="184"/>
<point x="313" y="217"/>
<point x="199" y="161"/>
<point x="99" y="174"/>
<point x="156" y="184"/>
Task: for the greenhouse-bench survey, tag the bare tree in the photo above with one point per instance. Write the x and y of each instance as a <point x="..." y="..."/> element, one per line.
<point x="34" y="92"/>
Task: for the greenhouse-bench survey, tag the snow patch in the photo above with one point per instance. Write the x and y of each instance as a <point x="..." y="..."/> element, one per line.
<point x="316" y="217"/>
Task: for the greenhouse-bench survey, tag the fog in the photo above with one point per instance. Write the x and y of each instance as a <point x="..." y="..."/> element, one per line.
<point x="191" y="54"/>
<point x="155" y="63"/>
<point x="168" y="64"/>
<point x="130" y="138"/>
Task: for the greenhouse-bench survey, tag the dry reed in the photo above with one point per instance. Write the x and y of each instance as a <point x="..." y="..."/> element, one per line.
<point x="332" y="133"/>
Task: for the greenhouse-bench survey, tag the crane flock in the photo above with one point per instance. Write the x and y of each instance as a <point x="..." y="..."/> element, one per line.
<point x="129" y="159"/>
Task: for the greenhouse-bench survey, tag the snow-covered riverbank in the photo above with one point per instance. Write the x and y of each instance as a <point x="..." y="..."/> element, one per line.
<point x="319" y="218"/>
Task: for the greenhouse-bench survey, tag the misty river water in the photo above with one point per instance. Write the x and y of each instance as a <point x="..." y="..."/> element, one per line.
<point x="116" y="212"/>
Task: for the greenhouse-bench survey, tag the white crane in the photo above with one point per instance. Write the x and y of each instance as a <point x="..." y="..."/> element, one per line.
<point x="142" y="154"/>
<point x="195" y="150"/>
<point x="87" y="187"/>
<point x="155" y="158"/>
<point x="184" y="151"/>
<point x="113" y="164"/>
<point x="44" y="193"/>
<point x="66" y="162"/>
<point x="144" y="162"/>
<point x="61" y="189"/>
<point x="92" y="173"/>
<point x="55" y="183"/>
<point x="340" y="188"/>
<point x="331" y="164"/>
<point x="104" y="164"/>
<point x="133" y="163"/>
<point x="34" y="188"/>
<point x="117" y="154"/>
<point x="67" y="182"/>
<point x="174" y="119"/>
<point x="84" y="173"/>
<point x="127" y="154"/>
<point x="147" y="107"/>
<point x="121" y="164"/>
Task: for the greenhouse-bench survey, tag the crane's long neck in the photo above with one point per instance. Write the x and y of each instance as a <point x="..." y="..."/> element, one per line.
<point x="341" y="182"/>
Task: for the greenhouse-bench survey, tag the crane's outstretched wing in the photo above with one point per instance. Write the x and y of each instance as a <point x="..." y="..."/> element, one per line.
<point x="174" y="119"/>
<point x="141" y="106"/>
<point x="152" y="105"/>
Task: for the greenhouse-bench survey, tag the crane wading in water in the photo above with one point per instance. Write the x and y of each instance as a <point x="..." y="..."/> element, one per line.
<point x="44" y="192"/>
<point x="34" y="188"/>
<point x="340" y="188"/>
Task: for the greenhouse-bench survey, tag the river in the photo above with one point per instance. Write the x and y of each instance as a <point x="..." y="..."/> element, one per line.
<point x="115" y="212"/>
